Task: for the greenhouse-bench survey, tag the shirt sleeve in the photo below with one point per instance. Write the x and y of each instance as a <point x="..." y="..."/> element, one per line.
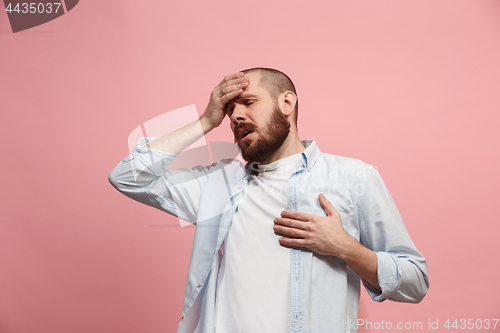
<point x="401" y="268"/>
<point x="144" y="176"/>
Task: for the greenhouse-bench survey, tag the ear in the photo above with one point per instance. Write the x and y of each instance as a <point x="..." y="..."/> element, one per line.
<point x="287" y="101"/>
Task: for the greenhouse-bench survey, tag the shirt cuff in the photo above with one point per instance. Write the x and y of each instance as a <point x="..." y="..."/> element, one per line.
<point x="389" y="277"/>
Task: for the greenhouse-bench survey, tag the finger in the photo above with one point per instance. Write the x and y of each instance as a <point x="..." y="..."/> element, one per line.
<point x="279" y="232"/>
<point x="232" y="76"/>
<point x="327" y="206"/>
<point x="230" y="95"/>
<point x="227" y="88"/>
<point x="235" y="81"/>
<point x="289" y="232"/>
<point x="292" y="242"/>
<point x="296" y="215"/>
<point x="291" y="223"/>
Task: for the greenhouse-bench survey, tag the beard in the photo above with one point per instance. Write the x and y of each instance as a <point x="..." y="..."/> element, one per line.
<point x="269" y="140"/>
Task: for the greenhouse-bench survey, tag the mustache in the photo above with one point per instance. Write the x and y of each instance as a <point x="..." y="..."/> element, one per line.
<point x="246" y="126"/>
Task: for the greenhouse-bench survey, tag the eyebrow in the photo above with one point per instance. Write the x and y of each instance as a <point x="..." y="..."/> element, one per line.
<point x="245" y="96"/>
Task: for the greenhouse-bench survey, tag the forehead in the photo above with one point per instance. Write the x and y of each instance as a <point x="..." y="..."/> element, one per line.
<point x="254" y="87"/>
<point x="253" y="91"/>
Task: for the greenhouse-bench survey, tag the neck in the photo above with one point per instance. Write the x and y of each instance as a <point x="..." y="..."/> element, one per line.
<point x="290" y="146"/>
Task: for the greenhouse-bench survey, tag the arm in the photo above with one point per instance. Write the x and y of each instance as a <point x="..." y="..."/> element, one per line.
<point x="401" y="268"/>
<point x="177" y="141"/>
<point x="385" y="258"/>
<point x="361" y="260"/>
<point x="144" y="175"/>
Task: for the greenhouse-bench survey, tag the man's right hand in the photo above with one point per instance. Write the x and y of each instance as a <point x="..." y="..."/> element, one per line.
<point x="175" y="142"/>
<point x="229" y="88"/>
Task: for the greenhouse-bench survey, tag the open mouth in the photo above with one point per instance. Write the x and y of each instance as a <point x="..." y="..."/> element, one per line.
<point x="243" y="133"/>
<point x="246" y="133"/>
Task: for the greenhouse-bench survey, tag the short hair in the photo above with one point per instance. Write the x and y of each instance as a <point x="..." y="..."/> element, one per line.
<point x="275" y="82"/>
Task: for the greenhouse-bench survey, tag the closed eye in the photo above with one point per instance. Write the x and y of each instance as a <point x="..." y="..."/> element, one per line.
<point x="230" y="106"/>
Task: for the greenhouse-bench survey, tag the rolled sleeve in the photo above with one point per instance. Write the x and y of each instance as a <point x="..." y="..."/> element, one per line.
<point x="401" y="268"/>
<point x="144" y="176"/>
<point x="389" y="277"/>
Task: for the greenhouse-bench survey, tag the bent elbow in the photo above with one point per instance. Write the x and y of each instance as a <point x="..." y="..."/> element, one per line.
<point x="420" y="289"/>
<point x="414" y="285"/>
<point x="424" y="288"/>
<point x="113" y="178"/>
<point x="116" y="179"/>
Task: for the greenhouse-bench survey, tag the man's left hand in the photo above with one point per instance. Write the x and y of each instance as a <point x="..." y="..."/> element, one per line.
<point x="321" y="234"/>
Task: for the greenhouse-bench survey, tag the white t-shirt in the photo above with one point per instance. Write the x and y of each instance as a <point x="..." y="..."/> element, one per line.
<point x="253" y="288"/>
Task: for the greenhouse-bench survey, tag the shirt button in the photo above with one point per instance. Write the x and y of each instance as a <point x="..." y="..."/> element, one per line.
<point x="240" y="187"/>
<point x="200" y="284"/>
<point x="182" y="317"/>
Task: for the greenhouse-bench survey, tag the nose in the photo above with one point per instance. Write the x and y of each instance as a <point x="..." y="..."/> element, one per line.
<point x="238" y="115"/>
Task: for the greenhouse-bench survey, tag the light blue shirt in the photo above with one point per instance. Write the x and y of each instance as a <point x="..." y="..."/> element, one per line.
<point x="324" y="290"/>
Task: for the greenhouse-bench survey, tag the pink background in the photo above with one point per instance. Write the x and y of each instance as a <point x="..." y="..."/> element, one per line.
<point x="411" y="87"/>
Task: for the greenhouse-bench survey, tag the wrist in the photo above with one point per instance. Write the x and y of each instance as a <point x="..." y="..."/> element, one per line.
<point x="206" y="124"/>
<point x="350" y="249"/>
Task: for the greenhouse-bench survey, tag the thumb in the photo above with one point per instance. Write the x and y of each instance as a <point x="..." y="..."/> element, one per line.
<point x="327" y="206"/>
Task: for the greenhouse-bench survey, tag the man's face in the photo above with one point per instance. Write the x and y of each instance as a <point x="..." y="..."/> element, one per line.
<point x="257" y="122"/>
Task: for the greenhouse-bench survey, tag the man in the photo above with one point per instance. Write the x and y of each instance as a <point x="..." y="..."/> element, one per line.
<point x="281" y="242"/>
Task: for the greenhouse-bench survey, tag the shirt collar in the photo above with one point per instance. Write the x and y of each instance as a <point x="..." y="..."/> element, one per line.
<point x="310" y="156"/>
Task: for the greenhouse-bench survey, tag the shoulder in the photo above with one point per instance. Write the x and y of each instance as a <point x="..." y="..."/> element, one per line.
<point x="342" y="160"/>
<point x="231" y="166"/>
<point x="230" y="162"/>
<point x="347" y="166"/>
